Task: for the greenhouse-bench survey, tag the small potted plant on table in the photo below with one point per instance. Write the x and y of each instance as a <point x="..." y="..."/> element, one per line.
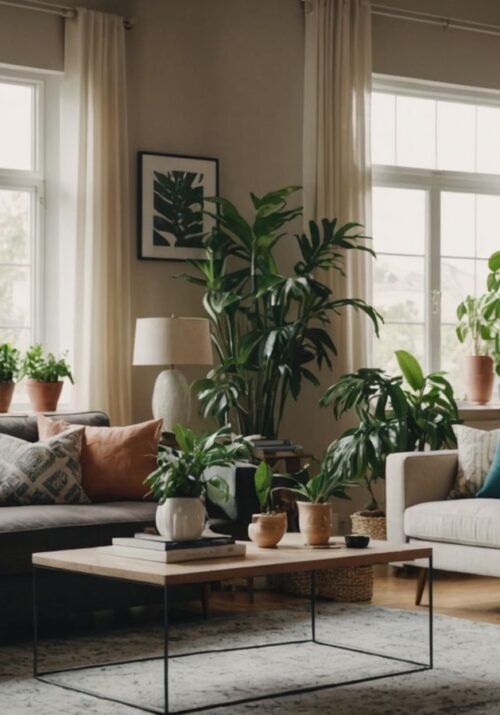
<point x="268" y="527"/>
<point x="180" y="484"/>
<point x="9" y="369"/>
<point x="44" y="373"/>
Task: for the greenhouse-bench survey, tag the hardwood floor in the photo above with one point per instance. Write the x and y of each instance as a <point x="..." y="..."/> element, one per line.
<point x="473" y="597"/>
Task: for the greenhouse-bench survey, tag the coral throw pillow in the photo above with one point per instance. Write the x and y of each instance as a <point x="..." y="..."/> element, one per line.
<point x="115" y="460"/>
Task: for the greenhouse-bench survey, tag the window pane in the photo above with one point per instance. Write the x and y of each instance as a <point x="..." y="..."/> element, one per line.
<point x="487" y="225"/>
<point x="15" y="208"/>
<point x="457" y="282"/>
<point x="453" y="358"/>
<point x="416" y="132"/>
<point x="397" y="337"/>
<point x="398" y="288"/>
<point x="14" y="296"/>
<point x="16" y="126"/>
<point x="20" y="337"/>
<point x="488" y="140"/>
<point x="456" y="130"/>
<point x="383" y="128"/>
<point x="481" y="277"/>
<point x="399" y="220"/>
<point x="458" y="229"/>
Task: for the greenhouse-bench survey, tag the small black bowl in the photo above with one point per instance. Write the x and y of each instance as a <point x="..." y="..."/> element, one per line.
<point x="356" y="541"/>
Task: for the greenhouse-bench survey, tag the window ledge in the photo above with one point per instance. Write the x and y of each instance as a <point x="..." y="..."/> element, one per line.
<point x="469" y="411"/>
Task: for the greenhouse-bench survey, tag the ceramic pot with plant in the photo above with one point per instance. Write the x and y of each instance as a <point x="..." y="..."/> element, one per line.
<point x="406" y="413"/>
<point x="44" y="378"/>
<point x="479" y="324"/>
<point x="267" y="528"/>
<point x="9" y="369"/>
<point x="180" y="484"/>
<point x="315" y="507"/>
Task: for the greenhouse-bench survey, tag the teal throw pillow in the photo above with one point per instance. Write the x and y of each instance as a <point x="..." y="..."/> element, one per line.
<point x="491" y="484"/>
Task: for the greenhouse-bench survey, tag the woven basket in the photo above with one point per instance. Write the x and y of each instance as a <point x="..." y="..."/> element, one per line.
<point x="372" y="526"/>
<point x="351" y="585"/>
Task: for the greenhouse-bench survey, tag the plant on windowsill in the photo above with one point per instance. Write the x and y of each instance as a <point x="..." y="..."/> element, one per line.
<point x="479" y="324"/>
<point x="9" y="369"/>
<point x="44" y="372"/>
<point x="315" y="507"/>
<point x="406" y="413"/>
<point x="269" y="328"/>
<point x="268" y="527"/>
<point x="179" y="483"/>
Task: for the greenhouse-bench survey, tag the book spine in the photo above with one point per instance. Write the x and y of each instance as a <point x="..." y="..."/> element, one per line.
<point x="207" y="552"/>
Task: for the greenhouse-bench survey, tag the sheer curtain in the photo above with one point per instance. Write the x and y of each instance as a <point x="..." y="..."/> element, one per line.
<point x="337" y="172"/>
<point x="96" y="204"/>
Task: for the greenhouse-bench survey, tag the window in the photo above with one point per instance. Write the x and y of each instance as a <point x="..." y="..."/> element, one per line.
<point x="21" y="191"/>
<point x="436" y="214"/>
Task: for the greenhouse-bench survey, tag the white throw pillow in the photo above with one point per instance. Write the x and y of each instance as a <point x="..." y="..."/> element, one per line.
<point x="476" y="449"/>
<point x="45" y="472"/>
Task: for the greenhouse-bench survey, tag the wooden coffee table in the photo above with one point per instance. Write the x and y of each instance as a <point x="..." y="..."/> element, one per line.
<point x="290" y="555"/>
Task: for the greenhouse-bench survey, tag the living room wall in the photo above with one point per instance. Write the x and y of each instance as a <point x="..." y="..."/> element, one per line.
<point x="224" y="78"/>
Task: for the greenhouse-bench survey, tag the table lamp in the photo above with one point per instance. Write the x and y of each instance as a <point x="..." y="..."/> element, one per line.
<point x="170" y="342"/>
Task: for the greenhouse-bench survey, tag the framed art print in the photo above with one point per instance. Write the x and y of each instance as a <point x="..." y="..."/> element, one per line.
<point x="172" y="191"/>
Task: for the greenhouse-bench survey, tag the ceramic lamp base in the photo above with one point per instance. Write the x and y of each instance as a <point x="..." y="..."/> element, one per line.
<point x="171" y="399"/>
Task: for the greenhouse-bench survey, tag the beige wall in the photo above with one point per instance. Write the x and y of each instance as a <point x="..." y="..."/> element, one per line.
<point x="224" y="78"/>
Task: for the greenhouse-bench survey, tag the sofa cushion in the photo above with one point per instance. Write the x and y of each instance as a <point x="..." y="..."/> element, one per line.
<point x="54" y="516"/>
<point x="476" y="449"/>
<point x="25" y="426"/>
<point x="474" y="522"/>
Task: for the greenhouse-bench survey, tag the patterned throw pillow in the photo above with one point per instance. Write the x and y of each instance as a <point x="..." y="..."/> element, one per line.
<point x="41" y="472"/>
<point x="476" y="449"/>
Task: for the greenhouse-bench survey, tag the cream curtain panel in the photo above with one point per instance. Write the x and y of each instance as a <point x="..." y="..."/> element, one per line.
<point x="95" y="170"/>
<point x="336" y="156"/>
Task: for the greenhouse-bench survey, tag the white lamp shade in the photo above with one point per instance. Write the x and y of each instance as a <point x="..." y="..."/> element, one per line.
<point x="172" y="341"/>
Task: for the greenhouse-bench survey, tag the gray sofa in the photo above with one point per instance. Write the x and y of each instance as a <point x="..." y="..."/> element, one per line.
<point x="26" y="529"/>
<point x="463" y="533"/>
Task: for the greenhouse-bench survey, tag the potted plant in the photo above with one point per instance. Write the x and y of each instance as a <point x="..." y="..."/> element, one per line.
<point x="9" y="369"/>
<point x="269" y="329"/>
<point x="315" y="507"/>
<point x="179" y="483"/>
<point x="268" y="527"/>
<point x="392" y="418"/>
<point x="44" y="373"/>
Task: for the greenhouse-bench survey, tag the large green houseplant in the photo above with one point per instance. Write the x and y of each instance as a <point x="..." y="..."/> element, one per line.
<point x="405" y="413"/>
<point x="269" y="328"/>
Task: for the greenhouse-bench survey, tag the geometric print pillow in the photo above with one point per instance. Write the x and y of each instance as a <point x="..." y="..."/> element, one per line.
<point x="45" y="472"/>
<point x="476" y="449"/>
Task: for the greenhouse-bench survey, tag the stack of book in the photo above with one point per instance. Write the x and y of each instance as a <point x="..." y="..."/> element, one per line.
<point x="276" y="446"/>
<point x="152" y="547"/>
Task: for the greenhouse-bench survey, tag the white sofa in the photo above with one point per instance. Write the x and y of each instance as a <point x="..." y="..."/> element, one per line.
<point x="463" y="533"/>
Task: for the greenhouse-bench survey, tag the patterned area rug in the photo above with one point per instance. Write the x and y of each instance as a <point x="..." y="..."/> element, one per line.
<point x="465" y="678"/>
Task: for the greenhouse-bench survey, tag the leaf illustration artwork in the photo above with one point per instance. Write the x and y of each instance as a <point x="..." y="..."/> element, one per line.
<point x="178" y="205"/>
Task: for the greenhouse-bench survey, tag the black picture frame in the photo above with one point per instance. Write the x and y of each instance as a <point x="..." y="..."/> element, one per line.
<point x="169" y="186"/>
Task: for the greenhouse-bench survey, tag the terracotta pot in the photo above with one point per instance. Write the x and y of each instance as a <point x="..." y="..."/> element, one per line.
<point x="181" y="518"/>
<point x="479" y="378"/>
<point x="266" y="530"/>
<point x="6" y="392"/>
<point x="44" y="396"/>
<point x="315" y="522"/>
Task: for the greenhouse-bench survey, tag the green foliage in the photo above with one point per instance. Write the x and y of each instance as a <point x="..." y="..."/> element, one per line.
<point x="181" y="472"/>
<point x="37" y="366"/>
<point x="269" y="329"/>
<point x="9" y="362"/>
<point x="327" y="483"/>
<point x="479" y="318"/>
<point x="392" y="418"/>
<point x="178" y="204"/>
<point x="264" y="486"/>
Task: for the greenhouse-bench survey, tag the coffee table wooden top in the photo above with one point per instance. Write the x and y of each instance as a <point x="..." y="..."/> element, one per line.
<point x="290" y="555"/>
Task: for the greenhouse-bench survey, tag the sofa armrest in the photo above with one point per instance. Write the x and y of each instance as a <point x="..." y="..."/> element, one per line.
<point x="414" y="478"/>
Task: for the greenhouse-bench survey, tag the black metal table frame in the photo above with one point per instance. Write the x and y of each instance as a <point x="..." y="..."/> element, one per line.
<point x="43" y="676"/>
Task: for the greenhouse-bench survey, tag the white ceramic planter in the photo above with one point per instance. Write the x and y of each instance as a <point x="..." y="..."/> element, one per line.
<point x="181" y="518"/>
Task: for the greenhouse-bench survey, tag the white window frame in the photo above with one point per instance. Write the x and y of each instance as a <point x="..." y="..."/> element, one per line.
<point x="434" y="181"/>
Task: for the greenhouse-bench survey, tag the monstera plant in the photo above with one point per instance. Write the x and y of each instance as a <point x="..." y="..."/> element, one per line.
<point x="269" y="328"/>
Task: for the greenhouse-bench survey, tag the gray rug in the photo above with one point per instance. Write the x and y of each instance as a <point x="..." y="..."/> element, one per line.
<point x="465" y="679"/>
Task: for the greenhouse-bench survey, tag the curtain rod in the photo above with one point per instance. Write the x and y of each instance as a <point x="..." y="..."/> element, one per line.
<point x="427" y="18"/>
<point x="51" y="9"/>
